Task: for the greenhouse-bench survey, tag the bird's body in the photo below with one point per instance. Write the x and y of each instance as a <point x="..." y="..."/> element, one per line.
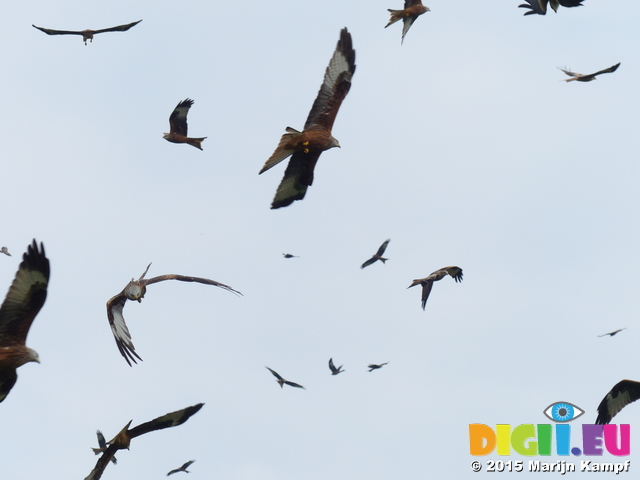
<point x="621" y="395"/>
<point x="611" y="334"/>
<point x="5" y="251"/>
<point x="412" y="10"/>
<point x="178" y="126"/>
<point x="579" y="77"/>
<point x="427" y="282"/>
<point x="334" y="370"/>
<point x="282" y="381"/>
<point x="539" y="7"/>
<point x="305" y="147"/>
<point x="22" y="303"/>
<point x="288" y="255"/>
<point x="88" y="33"/>
<point x="183" y="468"/>
<point x="376" y="366"/>
<point x="135" y="290"/>
<point x="378" y="255"/>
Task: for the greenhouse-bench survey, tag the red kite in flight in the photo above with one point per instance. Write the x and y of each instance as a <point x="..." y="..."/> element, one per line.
<point x="539" y="7"/>
<point x="21" y="305"/>
<point x="374" y="366"/>
<point x="427" y="282"/>
<point x="88" y="34"/>
<point x="135" y="290"/>
<point x="378" y="255"/>
<point x="334" y="370"/>
<point x="102" y="446"/>
<point x="183" y="468"/>
<point x="5" y="251"/>
<point x="412" y="10"/>
<point x="282" y="381"/>
<point x="621" y="395"/>
<point x="123" y="439"/>
<point x="178" y="126"/>
<point x="587" y="78"/>
<point x="612" y="333"/>
<point x="305" y="147"/>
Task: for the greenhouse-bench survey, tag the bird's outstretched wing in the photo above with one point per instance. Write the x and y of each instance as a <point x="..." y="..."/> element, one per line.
<point x="115" y="307"/>
<point x="183" y="278"/>
<point x="608" y="70"/>
<point x="292" y="384"/>
<point x="178" y="118"/>
<point x="275" y="374"/>
<point x="119" y="28"/>
<point x="621" y="395"/>
<point x="50" y="31"/>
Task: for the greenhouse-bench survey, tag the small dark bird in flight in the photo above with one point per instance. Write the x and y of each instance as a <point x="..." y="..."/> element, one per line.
<point x="621" y="395"/>
<point x="183" y="468"/>
<point x="374" y="366"/>
<point x="282" y="381"/>
<point x="539" y="7"/>
<point x="288" y="255"/>
<point x="378" y="255"/>
<point x="88" y="34"/>
<point x="612" y="333"/>
<point x="412" y="10"/>
<point x="123" y="439"/>
<point x="305" y="147"/>
<point x="587" y="78"/>
<point x="102" y="446"/>
<point x="5" y="251"/>
<point x="427" y="282"/>
<point x="178" y="126"/>
<point x="135" y="290"/>
<point x="334" y="370"/>
<point x="19" y="308"/>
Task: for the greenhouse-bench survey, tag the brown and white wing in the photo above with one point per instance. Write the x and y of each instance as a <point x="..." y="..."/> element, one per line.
<point x="406" y="25"/>
<point x="275" y="374"/>
<point x="297" y="177"/>
<point x="172" y="419"/>
<point x="183" y="278"/>
<point x="608" y="70"/>
<point x="25" y="296"/>
<point x="49" y="31"/>
<point x="119" y="28"/>
<point x="121" y="334"/>
<point x="336" y="85"/>
<point x="621" y="395"/>
<point x="178" y="118"/>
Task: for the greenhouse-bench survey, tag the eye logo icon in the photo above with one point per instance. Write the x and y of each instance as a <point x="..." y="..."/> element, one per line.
<point x="562" y="412"/>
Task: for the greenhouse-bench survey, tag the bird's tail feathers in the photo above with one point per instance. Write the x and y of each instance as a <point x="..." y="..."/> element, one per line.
<point x="396" y="15"/>
<point x="196" y="142"/>
<point x="281" y="152"/>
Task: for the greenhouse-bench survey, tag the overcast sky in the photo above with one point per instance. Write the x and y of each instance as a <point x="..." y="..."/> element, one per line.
<point x="464" y="146"/>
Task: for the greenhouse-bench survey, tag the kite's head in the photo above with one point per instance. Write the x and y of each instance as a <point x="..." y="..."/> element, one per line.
<point x="135" y="291"/>
<point x="334" y="143"/>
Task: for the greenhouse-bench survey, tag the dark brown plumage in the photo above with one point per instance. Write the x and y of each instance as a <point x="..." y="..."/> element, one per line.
<point x="178" y="126"/>
<point x="20" y="307"/>
<point x="334" y="370"/>
<point x="282" y="381"/>
<point x="135" y="290"/>
<point x="183" y="468"/>
<point x="375" y="366"/>
<point x="591" y="76"/>
<point x="427" y="282"/>
<point x="412" y="10"/>
<point x="288" y="255"/>
<point x="123" y="439"/>
<point x="378" y="255"/>
<point x="87" y="34"/>
<point x="621" y="395"/>
<point x="539" y="7"/>
<point x="305" y="147"/>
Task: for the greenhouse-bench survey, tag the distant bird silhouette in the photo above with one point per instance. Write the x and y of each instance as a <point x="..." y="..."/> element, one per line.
<point x="334" y="370"/>
<point x="135" y="290"/>
<point x="412" y="10"/>
<point x="5" y="251"/>
<point x="183" y="468"/>
<point x="378" y="255"/>
<point x="427" y="282"/>
<point x="621" y="395"/>
<point x="102" y="446"/>
<point x="539" y="7"/>
<point x="282" y="381"/>
<point x="374" y="366"/>
<point x="612" y="333"/>
<point x="88" y="34"/>
<point x="288" y="255"/>
<point x="178" y="126"/>
<point x="587" y="78"/>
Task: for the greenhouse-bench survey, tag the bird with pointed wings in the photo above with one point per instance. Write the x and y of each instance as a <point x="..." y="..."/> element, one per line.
<point x="621" y="395"/>
<point x="412" y="10"/>
<point x="288" y="255"/>
<point x="539" y="7"/>
<point x="282" y="381"/>
<point x="5" y="250"/>
<point x="183" y="468"/>
<point x="20" y="307"/>
<point x="178" y="126"/>
<point x="135" y="290"/>
<point x="123" y="439"/>
<point x="88" y="34"/>
<point x="611" y="334"/>
<point x="334" y="370"/>
<point x="376" y="366"/>
<point x="305" y="147"/>
<point x="102" y="446"/>
<point x="378" y="255"/>
<point x="591" y="76"/>
<point x="427" y="282"/>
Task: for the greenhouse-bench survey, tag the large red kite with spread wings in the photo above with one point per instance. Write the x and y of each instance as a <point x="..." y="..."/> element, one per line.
<point x="21" y="305"/>
<point x="427" y="282"/>
<point x="87" y="34"/>
<point x="412" y="10"/>
<point x="178" y="126"/>
<point x="305" y="147"/>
